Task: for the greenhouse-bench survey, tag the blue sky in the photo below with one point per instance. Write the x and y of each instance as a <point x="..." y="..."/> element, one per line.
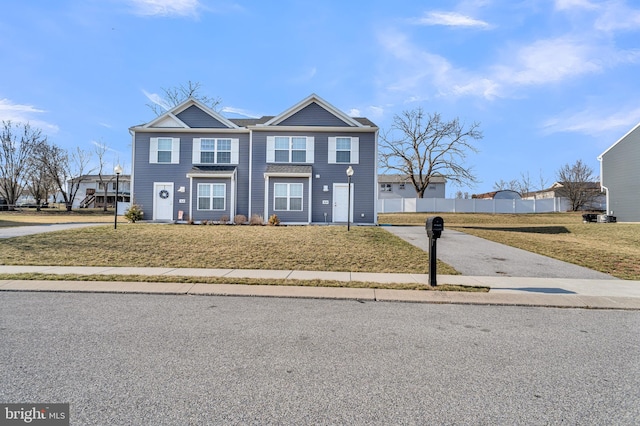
<point x="550" y="82"/>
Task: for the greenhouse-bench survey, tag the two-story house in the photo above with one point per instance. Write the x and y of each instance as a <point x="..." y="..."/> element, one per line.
<point x="192" y="162"/>
<point x="94" y="191"/>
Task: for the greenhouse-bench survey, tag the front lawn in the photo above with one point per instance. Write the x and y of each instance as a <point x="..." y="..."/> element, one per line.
<point x="313" y="248"/>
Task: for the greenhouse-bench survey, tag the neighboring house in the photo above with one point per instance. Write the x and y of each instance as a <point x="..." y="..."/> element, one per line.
<point x="558" y="190"/>
<point x="398" y="186"/>
<point x="505" y="194"/>
<point x="620" y="177"/>
<point x="91" y="192"/>
<point x="193" y="163"/>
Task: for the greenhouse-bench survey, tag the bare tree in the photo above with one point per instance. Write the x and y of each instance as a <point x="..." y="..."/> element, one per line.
<point x="62" y="168"/>
<point x="422" y="146"/>
<point x="501" y="185"/>
<point x="17" y="145"/>
<point x="39" y="183"/>
<point x="101" y="151"/>
<point x="579" y="184"/>
<point x="174" y="96"/>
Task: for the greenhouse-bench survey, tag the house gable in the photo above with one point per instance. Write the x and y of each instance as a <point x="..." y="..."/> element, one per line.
<point x="191" y="114"/>
<point x="313" y="111"/>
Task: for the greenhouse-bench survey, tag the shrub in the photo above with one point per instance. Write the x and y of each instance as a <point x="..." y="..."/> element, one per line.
<point x="256" y="219"/>
<point x="204" y="222"/>
<point x="134" y="213"/>
<point x="224" y="219"/>
<point x="239" y="219"/>
<point x="274" y="220"/>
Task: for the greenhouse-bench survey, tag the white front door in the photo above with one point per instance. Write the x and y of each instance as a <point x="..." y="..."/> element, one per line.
<point x="163" y="201"/>
<point x="341" y="202"/>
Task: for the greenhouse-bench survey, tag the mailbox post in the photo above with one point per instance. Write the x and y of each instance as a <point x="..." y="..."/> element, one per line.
<point x="434" y="227"/>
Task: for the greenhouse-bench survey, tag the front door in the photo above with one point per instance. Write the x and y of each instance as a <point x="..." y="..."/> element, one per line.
<point x="341" y="202"/>
<point x="163" y="201"/>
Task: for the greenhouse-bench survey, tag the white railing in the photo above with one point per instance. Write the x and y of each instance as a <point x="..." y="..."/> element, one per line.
<point x="457" y="205"/>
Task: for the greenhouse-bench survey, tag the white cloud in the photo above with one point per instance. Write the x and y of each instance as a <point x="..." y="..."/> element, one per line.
<point x="593" y="122"/>
<point x="157" y="99"/>
<point x="239" y="111"/>
<point x="354" y="112"/>
<point x="166" y="7"/>
<point x="574" y="4"/>
<point x="19" y="113"/>
<point x="450" y="19"/>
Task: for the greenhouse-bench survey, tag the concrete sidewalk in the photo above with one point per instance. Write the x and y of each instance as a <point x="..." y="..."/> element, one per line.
<point x="520" y="291"/>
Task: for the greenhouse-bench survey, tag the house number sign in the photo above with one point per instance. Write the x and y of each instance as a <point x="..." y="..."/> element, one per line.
<point x="164" y="194"/>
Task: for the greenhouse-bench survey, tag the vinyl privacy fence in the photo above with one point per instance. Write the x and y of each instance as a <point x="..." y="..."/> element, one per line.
<point x="457" y="205"/>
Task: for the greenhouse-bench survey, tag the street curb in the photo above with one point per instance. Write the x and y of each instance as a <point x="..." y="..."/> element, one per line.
<point x="329" y="293"/>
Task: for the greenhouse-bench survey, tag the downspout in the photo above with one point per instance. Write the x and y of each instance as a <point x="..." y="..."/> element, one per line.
<point x="250" y="170"/>
<point x="606" y="190"/>
<point x="191" y="197"/>
<point x="375" y="186"/>
<point x="132" y="197"/>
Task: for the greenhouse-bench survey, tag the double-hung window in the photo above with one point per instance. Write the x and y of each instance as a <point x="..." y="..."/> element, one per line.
<point x="215" y="151"/>
<point x="164" y="150"/>
<point x="344" y="150"/>
<point x="287" y="196"/>
<point x="211" y="196"/>
<point x="290" y="149"/>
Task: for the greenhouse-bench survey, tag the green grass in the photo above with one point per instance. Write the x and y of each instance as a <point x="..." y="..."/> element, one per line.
<point x="613" y="248"/>
<point x="313" y="248"/>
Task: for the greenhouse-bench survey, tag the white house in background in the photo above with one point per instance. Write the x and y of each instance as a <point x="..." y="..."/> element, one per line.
<point x="91" y="193"/>
<point x="398" y="186"/>
<point x="558" y="190"/>
<point x="620" y="177"/>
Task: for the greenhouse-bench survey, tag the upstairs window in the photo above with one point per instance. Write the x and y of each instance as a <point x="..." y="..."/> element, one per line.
<point x="164" y="150"/>
<point x="385" y="187"/>
<point x="215" y="151"/>
<point x="344" y="150"/>
<point x="290" y="149"/>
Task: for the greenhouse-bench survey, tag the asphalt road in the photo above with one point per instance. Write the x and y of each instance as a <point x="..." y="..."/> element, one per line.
<point x="141" y="359"/>
<point x="474" y="256"/>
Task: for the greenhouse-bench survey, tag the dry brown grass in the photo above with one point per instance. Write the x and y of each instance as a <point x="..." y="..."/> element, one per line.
<point x="28" y="217"/>
<point x="314" y="248"/>
<point x="613" y="248"/>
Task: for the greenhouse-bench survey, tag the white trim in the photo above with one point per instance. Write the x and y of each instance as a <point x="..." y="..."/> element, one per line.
<point x="309" y="129"/>
<point x="617" y="142"/>
<point x="333" y="206"/>
<point x="210" y="175"/>
<point x="354" y="151"/>
<point x="308" y="101"/>
<point x="175" y="151"/>
<point x="196" y="149"/>
<point x="309" y="149"/>
<point x="309" y="201"/>
<point x="165" y="117"/>
<point x="288" y="196"/>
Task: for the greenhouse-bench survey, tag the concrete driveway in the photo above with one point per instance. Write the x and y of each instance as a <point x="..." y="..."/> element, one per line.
<point x="476" y="256"/>
<point x="20" y="231"/>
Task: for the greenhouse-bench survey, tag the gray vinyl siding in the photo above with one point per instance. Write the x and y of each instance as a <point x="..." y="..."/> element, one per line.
<point x="146" y="174"/>
<point x="194" y="117"/>
<point x="313" y="115"/>
<point x="621" y="175"/>
<point x="363" y="179"/>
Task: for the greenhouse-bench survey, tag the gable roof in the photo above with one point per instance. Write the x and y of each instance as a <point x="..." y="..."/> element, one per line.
<point x="313" y="98"/>
<point x="170" y="117"/>
<point x="618" y="141"/>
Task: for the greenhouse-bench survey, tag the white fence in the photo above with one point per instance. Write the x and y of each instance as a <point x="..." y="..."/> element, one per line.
<point x="457" y="205"/>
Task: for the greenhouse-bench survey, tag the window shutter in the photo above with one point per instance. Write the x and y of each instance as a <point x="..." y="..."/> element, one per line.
<point x="196" y="151"/>
<point x="175" y="151"/>
<point x="355" y="150"/>
<point x="235" y="151"/>
<point x="310" y="149"/>
<point x="153" y="150"/>
<point x="271" y="149"/>
<point x="332" y="150"/>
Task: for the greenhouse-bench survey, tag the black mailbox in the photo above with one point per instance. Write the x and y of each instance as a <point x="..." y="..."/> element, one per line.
<point x="434" y="226"/>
